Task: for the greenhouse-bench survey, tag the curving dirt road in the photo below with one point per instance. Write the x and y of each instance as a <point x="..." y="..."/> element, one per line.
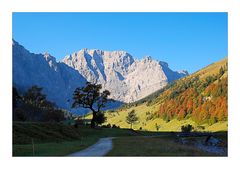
<point x="101" y="148"/>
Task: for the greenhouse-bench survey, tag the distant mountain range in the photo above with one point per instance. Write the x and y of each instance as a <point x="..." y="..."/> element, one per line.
<point x="127" y="78"/>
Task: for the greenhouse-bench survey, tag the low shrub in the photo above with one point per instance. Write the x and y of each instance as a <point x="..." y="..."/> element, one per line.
<point x="187" y="128"/>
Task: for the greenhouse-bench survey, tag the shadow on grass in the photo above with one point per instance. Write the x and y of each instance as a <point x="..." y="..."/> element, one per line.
<point x="55" y="139"/>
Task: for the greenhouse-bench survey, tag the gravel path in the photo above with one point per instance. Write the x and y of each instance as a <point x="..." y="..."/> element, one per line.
<point x="101" y="148"/>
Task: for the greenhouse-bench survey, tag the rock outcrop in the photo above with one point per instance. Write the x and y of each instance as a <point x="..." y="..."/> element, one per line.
<point x="127" y="79"/>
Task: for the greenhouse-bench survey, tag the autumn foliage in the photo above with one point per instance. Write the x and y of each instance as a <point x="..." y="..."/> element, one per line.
<point x="203" y="100"/>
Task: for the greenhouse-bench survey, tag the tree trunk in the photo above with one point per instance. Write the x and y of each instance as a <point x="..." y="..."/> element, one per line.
<point x="93" y="124"/>
<point x="131" y="125"/>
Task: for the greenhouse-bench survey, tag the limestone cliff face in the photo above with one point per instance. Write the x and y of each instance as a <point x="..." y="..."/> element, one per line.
<point x="57" y="79"/>
<point x="127" y="79"/>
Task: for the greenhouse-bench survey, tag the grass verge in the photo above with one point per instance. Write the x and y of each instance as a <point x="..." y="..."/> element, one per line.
<point x="52" y="149"/>
<point x="55" y="139"/>
<point x="153" y="146"/>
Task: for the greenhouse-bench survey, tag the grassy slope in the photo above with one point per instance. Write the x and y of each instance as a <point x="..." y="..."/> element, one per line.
<point x="53" y="139"/>
<point x="118" y="117"/>
<point x="212" y="68"/>
<point x="173" y="125"/>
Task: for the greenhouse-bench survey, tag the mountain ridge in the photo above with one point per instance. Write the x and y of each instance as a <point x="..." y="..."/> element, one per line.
<point x="127" y="79"/>
<point x="123" y="70"/>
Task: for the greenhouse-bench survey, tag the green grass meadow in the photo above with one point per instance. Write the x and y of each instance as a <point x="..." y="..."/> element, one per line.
<point x="153" y="146"/>
<point x="118" y="117"/>
<point x="54" y="139"/>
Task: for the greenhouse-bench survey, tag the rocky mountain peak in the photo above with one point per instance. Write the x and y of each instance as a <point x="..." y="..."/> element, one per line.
<point x="164" y="64"/>
<point x="127" y="78"/>
<point x="147" y="58"/>
<point x="49" y="57"/>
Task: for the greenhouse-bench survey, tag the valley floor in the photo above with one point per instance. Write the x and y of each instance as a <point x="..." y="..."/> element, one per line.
<point x="53" y="139"/>
<point x="156" y="146"/>
<point x="147" y="123"/>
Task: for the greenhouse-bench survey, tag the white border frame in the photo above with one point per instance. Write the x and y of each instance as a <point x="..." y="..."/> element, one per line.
<point x="9" y="6"/>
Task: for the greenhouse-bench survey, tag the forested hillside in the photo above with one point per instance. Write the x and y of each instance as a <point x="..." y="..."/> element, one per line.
<point x="204" y="100"/>
<point x="199" y="99"/>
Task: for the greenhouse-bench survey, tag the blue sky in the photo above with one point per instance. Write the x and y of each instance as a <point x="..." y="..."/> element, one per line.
<point x="188" y="41"/>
